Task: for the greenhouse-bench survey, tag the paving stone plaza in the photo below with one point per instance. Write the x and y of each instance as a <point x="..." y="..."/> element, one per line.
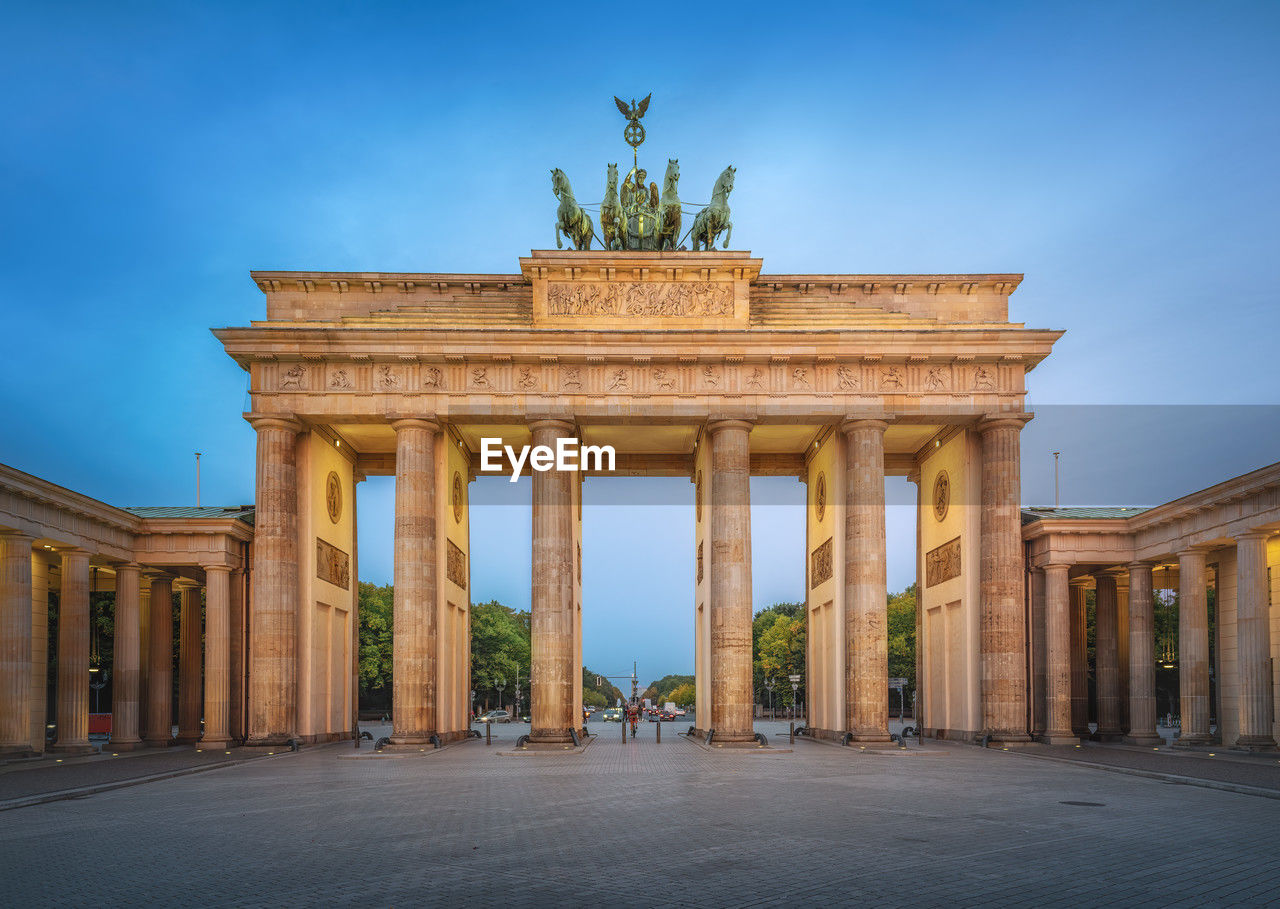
<point x="644" y="824"/>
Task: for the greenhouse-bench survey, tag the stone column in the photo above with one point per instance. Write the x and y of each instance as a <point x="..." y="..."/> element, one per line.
<point x="126" y="669"/>
<point x="273" y="641"/>
<point x="190" y="693"/>
<point x="1057" y="623"/>
<point x="15" y="643"/>
<point x="1079" y="658"/>
<point x="1003" y="619"/>
<point x="236" y="651"/>
<point x="144" y="650"/>
<point x="731" y="676"/>
<point x="866" y="603"/>
<point x="159" y="732"/>
<point x="413" y="697"/>
<point x="73" y="654"/>
<point x="1142" y="658"/>
<point x="1253" y="634"/>
<point x="217" y="657"/>
<point x="552" y="711"/>
<point x="1108" y="658"/>
<point x="1193" y="649"/>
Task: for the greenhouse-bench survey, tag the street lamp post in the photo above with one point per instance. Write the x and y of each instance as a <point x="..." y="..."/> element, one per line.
<point x="795" y="685"/>
<point x="768" y="683"/>
<point x="500" y="684"/>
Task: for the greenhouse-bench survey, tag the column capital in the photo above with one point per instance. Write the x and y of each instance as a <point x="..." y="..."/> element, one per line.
<point x="215" y="568"/>
<point x="428" y="423"/>
<point x="268" y="421"/>
<point x="1198" y="550"/>
<point x="128" y="566"/>
<point x="716" y="425"/>
<point x="1139" y="564"/>
<point x="851" y="423"/>
<point x="1004" y="421"/>
<point x="17" y="535"/>
<point x="181" y="582"/>
<point x="1253" y="535"/>
<point x="555" y="423"/>
<point x="1056" y="566"/>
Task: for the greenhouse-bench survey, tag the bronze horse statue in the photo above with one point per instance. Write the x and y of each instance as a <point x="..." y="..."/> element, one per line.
<point x="669" y="208"/>
<point x="715" y="217"/>
<point x="570" y="217"/>
<point x="611" y="223"/>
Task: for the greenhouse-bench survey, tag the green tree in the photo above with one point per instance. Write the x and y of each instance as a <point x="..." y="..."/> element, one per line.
<point x="375" y="645"/>
<point x="499" y="644"/>
<point x="684" y="695"/>
<point x="778" y="641"/>
<point x="902" y="640"/>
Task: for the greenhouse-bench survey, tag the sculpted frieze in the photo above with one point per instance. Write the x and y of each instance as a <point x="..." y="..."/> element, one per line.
<point x="692" y="299"/>
<point x="642" y="376"/>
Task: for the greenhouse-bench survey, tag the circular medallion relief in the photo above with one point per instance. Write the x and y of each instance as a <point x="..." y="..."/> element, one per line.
<point x="941" y="495"/>
<point x="820" y="495"/>
<point x="333" y="496"/>
<point x="697" y="495"/>
<point x="456" y="496"/>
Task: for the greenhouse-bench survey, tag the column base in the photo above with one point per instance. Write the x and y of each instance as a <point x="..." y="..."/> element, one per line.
<point x="130" y="745"/>
<point x="1059" y="738"/>
<point x="186" y="738"/>
<point x="1254" y="743"/>
<point x="1143" y="738"/>
<point x="416" y="739"/>
<point x="1010" y="738"/>
<point x="73" y="748"/>
<point x="550" y="737"/>
<point x="269" y="740"/>
<point x="1192" y="741"/>
<point x="871" y="738"/>
<point x="17" y="751"/>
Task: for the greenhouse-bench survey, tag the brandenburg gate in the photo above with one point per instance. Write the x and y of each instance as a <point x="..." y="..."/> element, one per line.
<point x="690" y="364"/>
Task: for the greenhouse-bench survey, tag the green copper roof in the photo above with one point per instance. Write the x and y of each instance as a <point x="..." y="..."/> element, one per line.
<point x="235" y="512"/>
<point x="1085" y="513"/>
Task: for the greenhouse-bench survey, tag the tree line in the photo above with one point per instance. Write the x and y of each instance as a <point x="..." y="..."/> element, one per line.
<point x="500" y="654"/>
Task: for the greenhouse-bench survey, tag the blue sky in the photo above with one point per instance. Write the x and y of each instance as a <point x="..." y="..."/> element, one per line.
<point x="1122" y="155"/>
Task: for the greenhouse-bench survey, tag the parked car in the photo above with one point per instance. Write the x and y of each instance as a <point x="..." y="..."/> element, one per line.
<point x="494" y="716"/>
<point x="612" y="715"/>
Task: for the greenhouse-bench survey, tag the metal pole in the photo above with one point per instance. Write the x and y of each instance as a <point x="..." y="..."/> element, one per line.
<point x="1056" y="498"/>
<point x="197" y="479"/>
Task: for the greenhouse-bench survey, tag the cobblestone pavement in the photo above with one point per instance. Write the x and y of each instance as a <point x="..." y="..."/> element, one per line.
<point x="644" y="824"/>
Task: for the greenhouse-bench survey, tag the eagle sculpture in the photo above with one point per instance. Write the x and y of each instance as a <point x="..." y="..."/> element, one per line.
<point x="635" y="111"/>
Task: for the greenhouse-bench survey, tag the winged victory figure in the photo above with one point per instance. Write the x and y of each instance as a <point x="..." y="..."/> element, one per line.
<point x="635" y="111"/>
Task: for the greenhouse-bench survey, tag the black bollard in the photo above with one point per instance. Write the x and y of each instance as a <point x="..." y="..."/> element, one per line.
<point x="792" y="734"/>
<point x="488" y="730"/>
<point x="659" y="732"/>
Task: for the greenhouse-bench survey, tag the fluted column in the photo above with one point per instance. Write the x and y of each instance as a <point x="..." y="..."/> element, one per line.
<point x="1253" y="633"/>
<point x="552" y="712"/>
<point x="1193" y="649"/>
<point x="73" y="654"/>
<point x="413" y="653"/>
<point x="1106" y="620"/>
<point x="1057" y="623"/>
<point x="190" y="693"/>
<point x="15" y="643"/>
<point x="866" y="602"/>
<point x="273" y="643"/>
<point x="217" y="657"/>
<point x="236" y="653"/>
<point x="1142" y="658"/>
<point x="1079" y="658"/>
<point x="731" y="677"/>
<point x="126" y="668"/>
<point x="1003" y="619"/>
<point x="144" y="651"/>
<point x="159" y="732"/>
